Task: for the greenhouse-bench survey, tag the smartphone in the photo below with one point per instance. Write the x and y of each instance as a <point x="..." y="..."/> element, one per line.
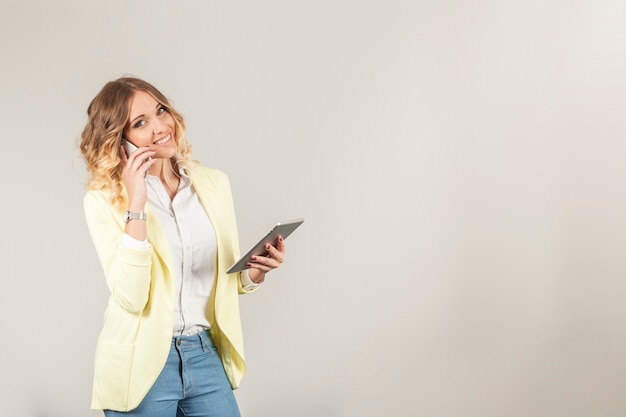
<point x="128" y="147"/>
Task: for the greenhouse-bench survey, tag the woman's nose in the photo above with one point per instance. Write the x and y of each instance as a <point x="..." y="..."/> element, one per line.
<point x="157" y="127"/>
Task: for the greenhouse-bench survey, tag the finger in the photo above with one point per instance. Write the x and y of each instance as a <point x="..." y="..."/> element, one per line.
<point x="265" y="261"/>
<point x="260" y="267"/>
<point x="138" y="163"/>
<point x="140" y="159"/>
<point x="275" y="253"/>
<point x="142" y="154"/>
<point x="147" y="165"/>
<point x="280" y="244"/>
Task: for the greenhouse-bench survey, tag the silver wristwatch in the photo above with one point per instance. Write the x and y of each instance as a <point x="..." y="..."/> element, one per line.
<point x="132" y="215"/>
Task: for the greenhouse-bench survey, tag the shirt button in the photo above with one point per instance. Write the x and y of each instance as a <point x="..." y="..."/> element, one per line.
<point x="180" y="342"/>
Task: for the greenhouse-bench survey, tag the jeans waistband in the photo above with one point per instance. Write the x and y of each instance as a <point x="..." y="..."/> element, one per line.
<point x="202" y="338"/>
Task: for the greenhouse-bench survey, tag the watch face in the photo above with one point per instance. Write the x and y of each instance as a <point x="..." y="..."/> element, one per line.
<point x="126" y="216"/>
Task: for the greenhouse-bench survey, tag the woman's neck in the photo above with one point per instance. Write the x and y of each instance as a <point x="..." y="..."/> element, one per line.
<point x="166" y="172"/>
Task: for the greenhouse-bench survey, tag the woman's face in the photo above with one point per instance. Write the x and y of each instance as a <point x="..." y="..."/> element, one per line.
<point x="150" y="124"/>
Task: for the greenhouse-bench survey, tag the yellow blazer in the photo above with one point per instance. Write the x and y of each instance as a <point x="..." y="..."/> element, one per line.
<point x="135" y="339"/>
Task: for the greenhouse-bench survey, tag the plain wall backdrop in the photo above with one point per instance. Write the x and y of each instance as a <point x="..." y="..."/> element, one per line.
<point x="459" y="164"/>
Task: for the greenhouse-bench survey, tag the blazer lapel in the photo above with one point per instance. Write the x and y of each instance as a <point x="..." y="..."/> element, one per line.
<point x="159" y="242"/>
<point x="211" y="200"/>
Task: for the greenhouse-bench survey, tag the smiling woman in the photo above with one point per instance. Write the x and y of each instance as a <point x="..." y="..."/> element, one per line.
<point x="133" y="108"/>
<point x="164" y="229"/>
<point x="151" y="129"/>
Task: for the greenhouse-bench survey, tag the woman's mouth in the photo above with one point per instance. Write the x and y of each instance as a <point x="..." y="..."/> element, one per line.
<point x="163" y="140"/>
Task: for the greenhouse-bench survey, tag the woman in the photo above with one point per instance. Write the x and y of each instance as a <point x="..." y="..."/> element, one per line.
<point x="165" y="232"/>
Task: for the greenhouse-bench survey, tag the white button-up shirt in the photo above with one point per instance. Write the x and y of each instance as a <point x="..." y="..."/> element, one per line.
<point x="193" y="246"/>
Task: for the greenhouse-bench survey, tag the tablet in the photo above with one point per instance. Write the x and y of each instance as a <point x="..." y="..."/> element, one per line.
<point x="283" y="229"/>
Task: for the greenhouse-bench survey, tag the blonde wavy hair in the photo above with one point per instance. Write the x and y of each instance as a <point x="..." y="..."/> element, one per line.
<point x="108" y="114"/>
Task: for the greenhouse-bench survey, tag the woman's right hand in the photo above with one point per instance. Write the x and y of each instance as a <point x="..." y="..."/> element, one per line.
<point x="135" y="167"/>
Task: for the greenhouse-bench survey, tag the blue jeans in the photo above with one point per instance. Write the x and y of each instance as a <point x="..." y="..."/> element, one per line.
<point x="192" y="384"/>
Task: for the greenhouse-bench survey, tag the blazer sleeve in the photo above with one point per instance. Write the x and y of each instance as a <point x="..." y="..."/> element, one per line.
<point x="126" y="270"/>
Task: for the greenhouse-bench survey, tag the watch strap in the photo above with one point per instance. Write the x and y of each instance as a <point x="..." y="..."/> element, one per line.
<point x="134" y="215"/>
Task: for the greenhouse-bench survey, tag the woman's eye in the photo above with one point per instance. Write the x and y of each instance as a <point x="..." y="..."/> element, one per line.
<point x="161" y="110"/>
<point x="139" y="123"/>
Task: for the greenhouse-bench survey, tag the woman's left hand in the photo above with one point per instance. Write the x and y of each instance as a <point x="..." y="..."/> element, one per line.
<point x="260" y="265"/>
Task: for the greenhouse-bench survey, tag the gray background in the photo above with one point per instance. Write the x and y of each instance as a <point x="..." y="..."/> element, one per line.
<point x="460" y="165"/>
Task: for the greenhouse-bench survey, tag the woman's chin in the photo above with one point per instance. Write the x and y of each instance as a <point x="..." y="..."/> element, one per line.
<point x="165" y="153"/>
